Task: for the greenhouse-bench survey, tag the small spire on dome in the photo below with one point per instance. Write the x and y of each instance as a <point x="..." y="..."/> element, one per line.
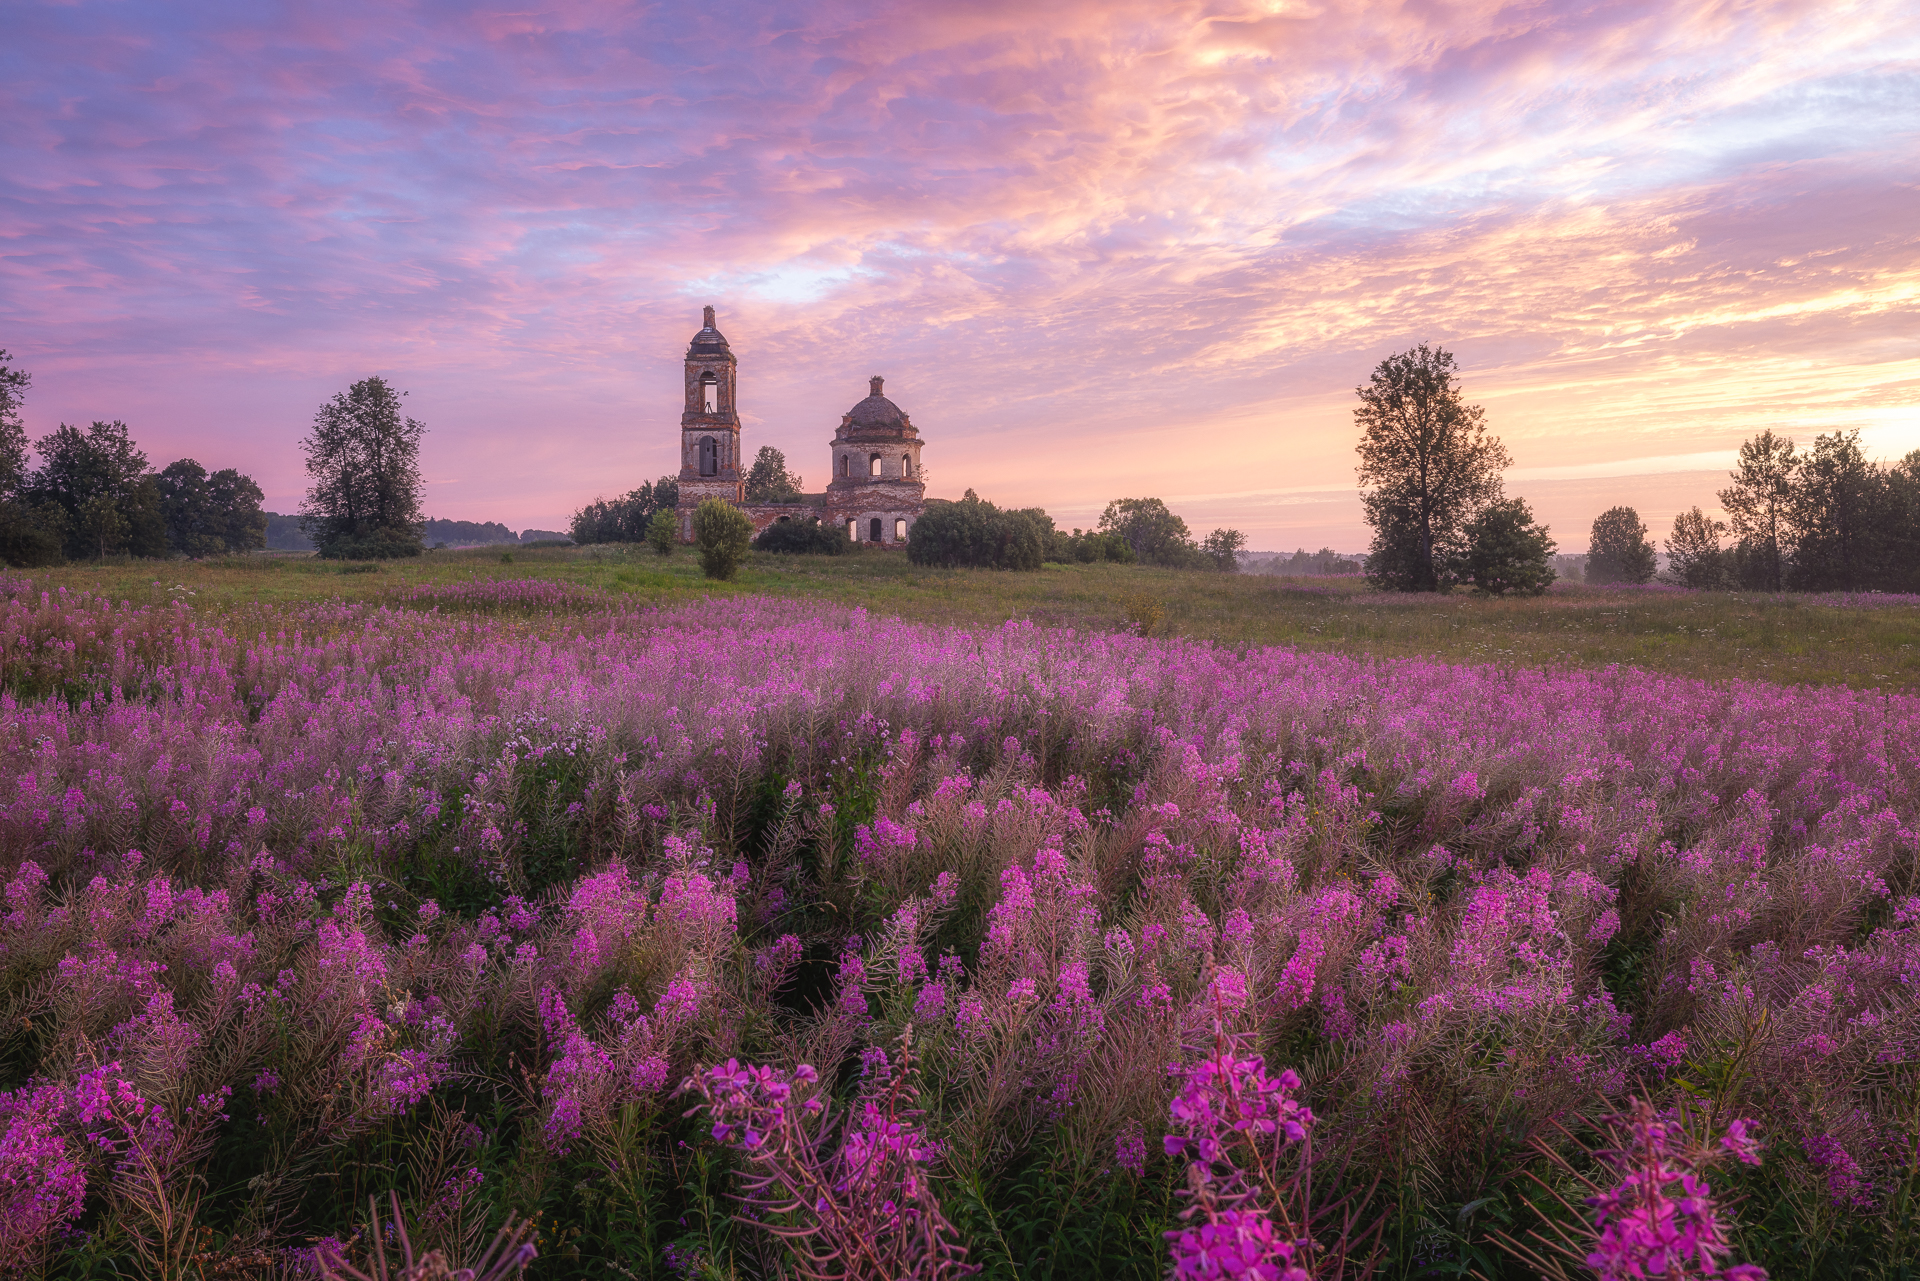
<point x="708" y="315"/>
<point x="875" y="383"/>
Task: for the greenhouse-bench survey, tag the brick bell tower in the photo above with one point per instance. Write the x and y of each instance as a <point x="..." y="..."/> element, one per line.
<point x="709" y="427"/>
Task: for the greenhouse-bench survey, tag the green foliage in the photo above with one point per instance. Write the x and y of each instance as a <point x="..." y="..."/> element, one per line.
<point x="1427" y="466"/>
<point x="1155" y="535"/>
<point x="798" y="537"/>
<point x="1222" y="547"/>
<point x="769" y="481"/>
<point x="363" y="469"/>
<point x="101" y="525"/>
<point x="32" y="536"/>
<point x="1507" y="551"/>
<point x="1618" y="550"/>
<point x="1694" y="558"/>
<point x="1092" y="546"/>
<point x="378" y="544"/>
<point x="662" y="529"/>
<point x="101" y="462"/>
<point x="722" y="533"/>
<point x="1305" y="564"/>
<point x="1758" y="504"/>
<point x="627" y="519"/>
<point x="973" y="533"/>
<point x="13" y="429"/>
<point x="206" y="515"/>
<point x="1835" y="507"/>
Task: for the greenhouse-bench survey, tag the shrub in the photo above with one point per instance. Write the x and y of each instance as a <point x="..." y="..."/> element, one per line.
<point x="1507" y="552"/>
<point x="805" y="538"/>
<point x="663" y="530"/>
<point x="975" y="534"/>
<point x="722" y="532"/>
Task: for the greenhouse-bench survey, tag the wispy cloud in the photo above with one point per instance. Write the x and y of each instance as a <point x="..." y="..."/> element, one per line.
<point x="1099" y="249"/>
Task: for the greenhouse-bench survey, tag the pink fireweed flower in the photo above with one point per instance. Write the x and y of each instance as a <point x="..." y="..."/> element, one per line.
<point x="1660" y="1219"/>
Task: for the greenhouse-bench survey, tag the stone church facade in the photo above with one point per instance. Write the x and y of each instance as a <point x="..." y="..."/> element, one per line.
<point x="875" y="495"/>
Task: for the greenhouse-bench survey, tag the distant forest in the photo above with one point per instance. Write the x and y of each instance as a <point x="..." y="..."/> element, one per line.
<point x="285" y="535"/>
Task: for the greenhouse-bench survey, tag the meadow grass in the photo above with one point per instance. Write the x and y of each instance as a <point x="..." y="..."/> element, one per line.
<point x="1784" y="639"/>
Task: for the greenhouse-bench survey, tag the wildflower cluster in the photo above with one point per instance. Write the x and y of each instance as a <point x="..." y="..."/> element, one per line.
<point x="854" y="1186"/>
<point x="1660" y="1220"/>
<point x="290" y="881"/>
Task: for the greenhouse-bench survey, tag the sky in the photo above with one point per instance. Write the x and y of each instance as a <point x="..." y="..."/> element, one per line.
<point x="1098" y="249"/>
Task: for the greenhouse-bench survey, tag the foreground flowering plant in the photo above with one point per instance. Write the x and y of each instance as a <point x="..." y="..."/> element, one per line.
<point x="848" y="1193"/>
<point x="1660" y="1218"/>
<point x="1247" y="1141"/>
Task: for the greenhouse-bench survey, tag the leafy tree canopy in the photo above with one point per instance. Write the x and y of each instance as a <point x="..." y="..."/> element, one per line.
<point x="769" y="481"/>
<point x="1508" y="552"/>
<point x="1427" y="467"/>
<point x="363" y="472"/>
<point x="1155" y="535"/>
<point x="1618" y="550"/>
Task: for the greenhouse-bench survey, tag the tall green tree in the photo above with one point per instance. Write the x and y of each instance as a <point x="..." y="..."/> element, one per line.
<point x="1155" y="534"/>
<point x="13" y="427"/>
<point x="31" y="533"/>
<point x="1427" y="467"/>
<point x="1837" y="510"/>
<point x="363" y="470"/>
<point x="769" y="481"/>
<point x="1694" y="558"/>
<point x="1618" y="550"/>
<point x="101" y="462"/>
<point x="1759" y="504"/>
<point x="210" y="515"/>
<point x="1223" y="547"/>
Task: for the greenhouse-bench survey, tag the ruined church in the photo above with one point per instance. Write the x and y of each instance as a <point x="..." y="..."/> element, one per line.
<point x="875" y="494"/>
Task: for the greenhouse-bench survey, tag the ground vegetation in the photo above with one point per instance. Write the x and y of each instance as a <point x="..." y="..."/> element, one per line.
<point x="466" y="890"/>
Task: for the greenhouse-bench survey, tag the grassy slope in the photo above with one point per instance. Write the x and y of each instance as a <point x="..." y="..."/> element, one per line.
<point x="1712" y="636"/>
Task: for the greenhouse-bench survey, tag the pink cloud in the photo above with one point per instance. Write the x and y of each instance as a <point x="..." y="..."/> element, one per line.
<point x="1098" y="249"/>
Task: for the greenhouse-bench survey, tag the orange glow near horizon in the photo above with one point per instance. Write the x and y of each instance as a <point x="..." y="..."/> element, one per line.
<point x="1098" y="251"/>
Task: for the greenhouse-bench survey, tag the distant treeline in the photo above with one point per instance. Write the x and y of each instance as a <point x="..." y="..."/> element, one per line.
<point x="1303" y="563"/>
<point x="285" y="534"/>
<point x="1827" y="519"/>
<point x="92" y="494"/>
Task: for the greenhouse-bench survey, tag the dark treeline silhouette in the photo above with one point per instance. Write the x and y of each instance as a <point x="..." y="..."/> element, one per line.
<point x="93" y="494"/>
<point x="625" y="519"/>
<point x="1827" y="519"/>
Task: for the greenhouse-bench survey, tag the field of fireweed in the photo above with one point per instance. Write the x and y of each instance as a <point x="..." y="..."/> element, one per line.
<point x="1016" y="946"/>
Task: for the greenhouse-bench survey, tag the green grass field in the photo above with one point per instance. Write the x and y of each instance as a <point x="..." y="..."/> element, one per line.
<point x="1712" y="636"/>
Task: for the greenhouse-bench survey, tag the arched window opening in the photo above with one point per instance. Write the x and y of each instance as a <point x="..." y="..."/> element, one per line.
<point x="709" y="457"/>
<point x="853" y="530"/>
<point x="875" y="531"/>
<point x="785" y="519"/>
<point x="873" y="465"/>
<point x="843" y="465"/>
<point x="899" y="530"/>
<point x="906" y="464"/>
<point x="709" y="394"/>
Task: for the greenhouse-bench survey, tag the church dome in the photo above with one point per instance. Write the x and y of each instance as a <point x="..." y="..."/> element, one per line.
<point x="709" y="341"/>
<point x="876" y="413"/>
